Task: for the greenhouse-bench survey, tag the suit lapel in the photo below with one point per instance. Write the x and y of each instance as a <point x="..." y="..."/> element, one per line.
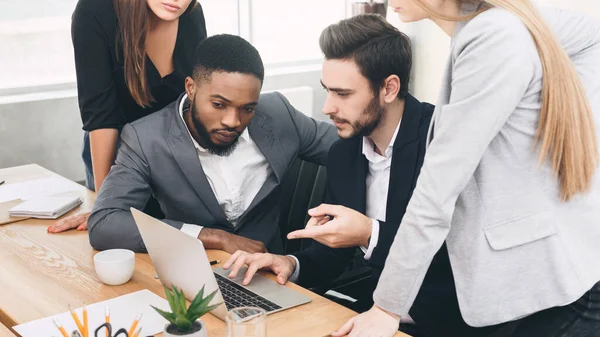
<point x="264" y="136"/>
<point x="185" y="155"/>
<point x="358" y="184"/>
<point x="349" y="185"/>
<point x="404" y="161"/>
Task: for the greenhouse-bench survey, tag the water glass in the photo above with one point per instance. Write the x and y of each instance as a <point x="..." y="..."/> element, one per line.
<point x="246" y="322"/>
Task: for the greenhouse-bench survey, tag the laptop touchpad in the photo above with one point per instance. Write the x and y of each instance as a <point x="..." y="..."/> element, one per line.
<point x="259" y="284"/>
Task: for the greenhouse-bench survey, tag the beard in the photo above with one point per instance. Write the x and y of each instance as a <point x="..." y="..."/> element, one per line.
<point x="368" y="120"/>
<point x="222" y="150"/>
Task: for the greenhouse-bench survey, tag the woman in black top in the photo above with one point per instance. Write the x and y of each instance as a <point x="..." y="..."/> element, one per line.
<point x="132" y="58"/>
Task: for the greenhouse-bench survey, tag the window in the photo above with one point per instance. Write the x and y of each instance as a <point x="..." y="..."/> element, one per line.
<point x="36" y="49"/>
<point x="35" y="43"/>
<point x="221" y="16"/>
<point x="288" y="31"/>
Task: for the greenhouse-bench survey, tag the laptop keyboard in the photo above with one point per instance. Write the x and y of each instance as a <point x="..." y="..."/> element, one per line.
<point x="236" y="296"/>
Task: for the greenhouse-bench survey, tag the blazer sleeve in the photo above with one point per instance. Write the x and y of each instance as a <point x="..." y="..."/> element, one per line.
<point x="316" y="137"/>
<point x="491" y="73"/>
<point x="111" y="224"/>
<point x="96" y="90"/>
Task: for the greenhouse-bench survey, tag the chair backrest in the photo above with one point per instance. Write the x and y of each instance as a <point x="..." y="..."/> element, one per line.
<point x="303" y="187"/>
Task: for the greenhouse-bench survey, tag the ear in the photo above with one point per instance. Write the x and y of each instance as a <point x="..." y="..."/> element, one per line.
<point x="391" y="88"/>
<point x="190" y="86"/>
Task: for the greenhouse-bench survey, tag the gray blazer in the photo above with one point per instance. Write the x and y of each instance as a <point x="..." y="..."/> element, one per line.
<point x="514" y="247"/>
<point x="157" y="158"/>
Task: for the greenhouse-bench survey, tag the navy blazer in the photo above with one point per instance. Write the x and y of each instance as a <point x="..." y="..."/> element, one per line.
<point x="347" y="170"/>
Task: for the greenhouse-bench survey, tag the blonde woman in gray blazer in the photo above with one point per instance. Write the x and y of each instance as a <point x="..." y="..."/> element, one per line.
<point x="510" y="179"/>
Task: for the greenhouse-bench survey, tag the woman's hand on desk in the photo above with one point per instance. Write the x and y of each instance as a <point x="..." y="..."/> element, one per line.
<point x="282" y="266"/>
<point x="374" y="323"/>
<point x="78" y="221"/>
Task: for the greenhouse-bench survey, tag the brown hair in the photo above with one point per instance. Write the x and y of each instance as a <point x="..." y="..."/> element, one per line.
<point x="133" y="18"/>
<point x="566" y="133"/>
<point x="378" y="49"/>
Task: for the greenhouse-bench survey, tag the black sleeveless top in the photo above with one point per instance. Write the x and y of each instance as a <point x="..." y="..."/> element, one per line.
<point x="104" y="99"/>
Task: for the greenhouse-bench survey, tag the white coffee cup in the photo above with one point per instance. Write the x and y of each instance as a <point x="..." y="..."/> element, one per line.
<point x="114" y="266"/>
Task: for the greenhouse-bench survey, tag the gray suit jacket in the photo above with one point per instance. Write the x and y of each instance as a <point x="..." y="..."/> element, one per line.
<point x="514" y="247"/>
<point x="157" y="158"/>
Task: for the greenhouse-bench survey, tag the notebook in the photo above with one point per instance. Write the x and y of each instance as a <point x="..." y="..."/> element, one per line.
<point x="45" y="207"/>
<point x="37" y="188"/>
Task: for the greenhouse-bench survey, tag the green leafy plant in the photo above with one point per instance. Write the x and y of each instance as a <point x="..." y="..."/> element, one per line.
<point x="184" y="318"/>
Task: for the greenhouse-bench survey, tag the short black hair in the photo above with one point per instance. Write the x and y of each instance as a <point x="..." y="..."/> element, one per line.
<point x="227" y="53"/>
<point x="378" y="49"/>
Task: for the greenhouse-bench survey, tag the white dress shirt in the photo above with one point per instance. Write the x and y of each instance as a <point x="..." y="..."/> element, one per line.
<point x="378" y="182"/>
<point x="234" y="179"/>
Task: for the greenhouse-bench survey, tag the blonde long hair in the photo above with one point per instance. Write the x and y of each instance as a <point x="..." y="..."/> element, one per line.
<point x="566" y="133"/>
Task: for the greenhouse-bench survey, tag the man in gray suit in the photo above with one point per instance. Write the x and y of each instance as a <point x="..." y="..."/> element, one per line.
<point x="213" y="159"/>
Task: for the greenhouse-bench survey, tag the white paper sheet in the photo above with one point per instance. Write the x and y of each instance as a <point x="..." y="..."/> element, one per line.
<point x="36" y="188"/>
<point x="123" y="311"/>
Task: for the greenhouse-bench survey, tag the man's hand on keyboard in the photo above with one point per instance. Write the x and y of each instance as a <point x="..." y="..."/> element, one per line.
<point x="282" y="266"/>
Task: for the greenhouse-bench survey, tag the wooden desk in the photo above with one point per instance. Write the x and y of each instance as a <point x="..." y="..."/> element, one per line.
<point x="4" y="332"/>
<point x="42" y="274"/>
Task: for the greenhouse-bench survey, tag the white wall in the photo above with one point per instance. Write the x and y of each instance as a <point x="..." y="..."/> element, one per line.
<point x="431" y="45"/>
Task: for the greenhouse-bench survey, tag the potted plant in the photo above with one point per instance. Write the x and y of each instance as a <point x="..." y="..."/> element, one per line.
<point x="185" y="321"/>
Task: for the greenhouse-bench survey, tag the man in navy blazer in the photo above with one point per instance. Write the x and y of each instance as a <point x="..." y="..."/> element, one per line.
<point x="371" y="174"/>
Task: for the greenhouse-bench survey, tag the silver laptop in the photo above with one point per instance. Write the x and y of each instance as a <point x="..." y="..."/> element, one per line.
<point x="180" y="260"/>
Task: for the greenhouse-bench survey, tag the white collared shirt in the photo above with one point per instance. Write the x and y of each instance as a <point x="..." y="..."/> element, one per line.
<point x="234" y="179"/>
<point x="378" y="182"/>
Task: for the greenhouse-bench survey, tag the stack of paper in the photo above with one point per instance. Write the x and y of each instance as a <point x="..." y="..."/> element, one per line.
<point x="37" y="188"/>
<point x="45" y="207"/>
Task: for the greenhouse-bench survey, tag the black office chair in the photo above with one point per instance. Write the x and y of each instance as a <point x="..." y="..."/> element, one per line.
<point x="303" y="188"/>
<point x="288" y="186"/>
<point x="297" y="190"/>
